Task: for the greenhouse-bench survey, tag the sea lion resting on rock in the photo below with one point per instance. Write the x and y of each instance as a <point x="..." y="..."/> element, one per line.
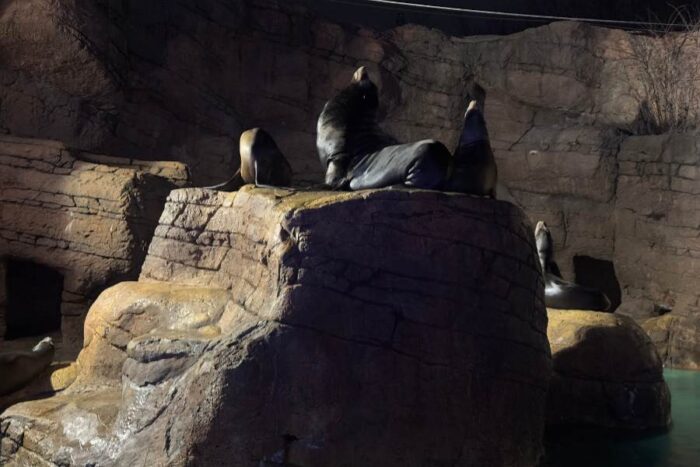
<point x="473" y="165"/>
<point x="357" y="154"/>
<point x="559" y="293"/>
<point x="21" y="367"/>
<point x="262" y="163"/>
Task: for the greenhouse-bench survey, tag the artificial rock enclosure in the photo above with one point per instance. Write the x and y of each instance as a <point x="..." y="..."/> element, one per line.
<point x="297" y="327"/>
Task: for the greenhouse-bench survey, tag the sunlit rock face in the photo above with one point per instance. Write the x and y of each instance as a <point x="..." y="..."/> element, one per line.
<point x="390" y="327"/>
<point x="606" y="373"/>
<point x="87" y="217"/>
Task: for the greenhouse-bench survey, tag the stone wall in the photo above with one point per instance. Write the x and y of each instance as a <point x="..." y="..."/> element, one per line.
<point x="90" y="221"/>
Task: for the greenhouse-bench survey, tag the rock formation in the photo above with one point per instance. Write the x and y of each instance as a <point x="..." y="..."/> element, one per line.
<point x="562" y="106"/>
<point x="606" y="373"/>
<point x="277" y="327"/>
<point x="86" y="216"/>
<point x="678" y="339"/>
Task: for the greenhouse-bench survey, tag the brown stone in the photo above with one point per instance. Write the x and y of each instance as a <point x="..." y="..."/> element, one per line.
<point x="607" y="373"/>
<point x="677" y="338"/>
<point x="89" y="221"/>
<point x="392" y="328"/>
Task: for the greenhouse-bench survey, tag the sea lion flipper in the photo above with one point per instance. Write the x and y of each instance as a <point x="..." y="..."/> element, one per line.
<point x="232" y="184"/>
<point x="336" y="173"/>
<point x="473" y="168"/>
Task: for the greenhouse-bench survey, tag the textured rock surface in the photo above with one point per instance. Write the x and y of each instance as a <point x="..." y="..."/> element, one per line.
<point x="167" y="80"/>
<point x="90" y="221"/>
<point x="607" y="373"/>
<point x="375" y="328"/>
<point x="677" y="338"/>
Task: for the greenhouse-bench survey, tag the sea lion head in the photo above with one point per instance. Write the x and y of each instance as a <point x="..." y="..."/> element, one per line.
<point x="365" y="91"/>
<point x="473" y="104"/>
<point x="361" y="74"/>
<point x="543" y="240"/>
<point x="357" y="103"/>
<point x="45" y="344"/>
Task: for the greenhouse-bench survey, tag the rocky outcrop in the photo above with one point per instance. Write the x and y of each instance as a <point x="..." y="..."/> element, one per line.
<point x="277" y="327"/>
<point x="562" y="101"/>
<point x="607" y="373"/>
<point x="677" y="338"/>
<point x="71" y="211"/>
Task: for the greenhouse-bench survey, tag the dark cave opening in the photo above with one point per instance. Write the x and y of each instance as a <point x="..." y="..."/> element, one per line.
<point x="33" y="299"/>
<point x="599" y="274"/>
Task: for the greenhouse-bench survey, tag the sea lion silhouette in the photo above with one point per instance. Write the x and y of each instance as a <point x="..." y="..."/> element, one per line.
<point x="357" y="154"/>
<point x="19" y="368"/>
<point x="262" y="163"/>
<point x="559" y="293"/>
<point x="473" y="165"/>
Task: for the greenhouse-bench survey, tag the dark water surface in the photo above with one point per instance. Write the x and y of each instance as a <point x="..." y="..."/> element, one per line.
<point x="679" y="447"/>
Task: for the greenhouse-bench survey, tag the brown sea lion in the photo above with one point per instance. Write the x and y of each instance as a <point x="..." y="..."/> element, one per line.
<point x="473" y="165"/>
<point x="19" y="368"/>
<point x="262" y="163"/>
<point x="559" y="293"/>
<point x="357" y="154"/>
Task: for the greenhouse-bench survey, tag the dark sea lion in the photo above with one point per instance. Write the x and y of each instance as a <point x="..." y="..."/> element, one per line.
<point x="19" y="368"/>
<point x="559" y="293"/>
<point x="262" y="163"/>
<point x="473" y="165"/>
<point x="357" y="154"/>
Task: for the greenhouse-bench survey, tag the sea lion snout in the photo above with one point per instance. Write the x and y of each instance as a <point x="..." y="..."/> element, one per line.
<point x="472" y="106"/>
<point x="44" y="344"/>
<point x="541" y="227"/>
<point x="361" y="74"/>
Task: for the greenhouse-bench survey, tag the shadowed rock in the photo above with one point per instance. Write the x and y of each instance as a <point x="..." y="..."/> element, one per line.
<point x="607" y="373"/>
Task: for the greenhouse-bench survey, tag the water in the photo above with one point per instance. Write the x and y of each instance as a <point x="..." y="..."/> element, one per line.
<point x="679" y="447"/>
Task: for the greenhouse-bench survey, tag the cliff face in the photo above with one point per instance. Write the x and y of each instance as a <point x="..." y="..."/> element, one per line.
<point x="169" y="80"/>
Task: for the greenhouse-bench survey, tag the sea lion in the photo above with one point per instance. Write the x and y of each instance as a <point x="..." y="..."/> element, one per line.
<point x="473" y="168"/>
<point x="262" y="163"/>
<point x="21" y="367"/>
<point x="559" y="293"/>
<point x="357" y="154"/>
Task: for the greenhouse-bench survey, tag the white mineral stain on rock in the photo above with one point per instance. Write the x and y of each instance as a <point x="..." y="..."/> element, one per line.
<point x="82" y="426"/>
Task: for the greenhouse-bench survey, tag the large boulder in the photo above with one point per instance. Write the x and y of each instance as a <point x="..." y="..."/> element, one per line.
<point x="276" y="327"/>
<point x="607" y="373"/>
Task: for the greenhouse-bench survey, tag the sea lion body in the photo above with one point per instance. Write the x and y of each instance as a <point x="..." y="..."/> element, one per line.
<point x="357" y="154"/>
<point x="262" y="163"/>
<point x="19" y="368"/>
<point x="559" y="293"/>
<point x="474" y="168"/>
